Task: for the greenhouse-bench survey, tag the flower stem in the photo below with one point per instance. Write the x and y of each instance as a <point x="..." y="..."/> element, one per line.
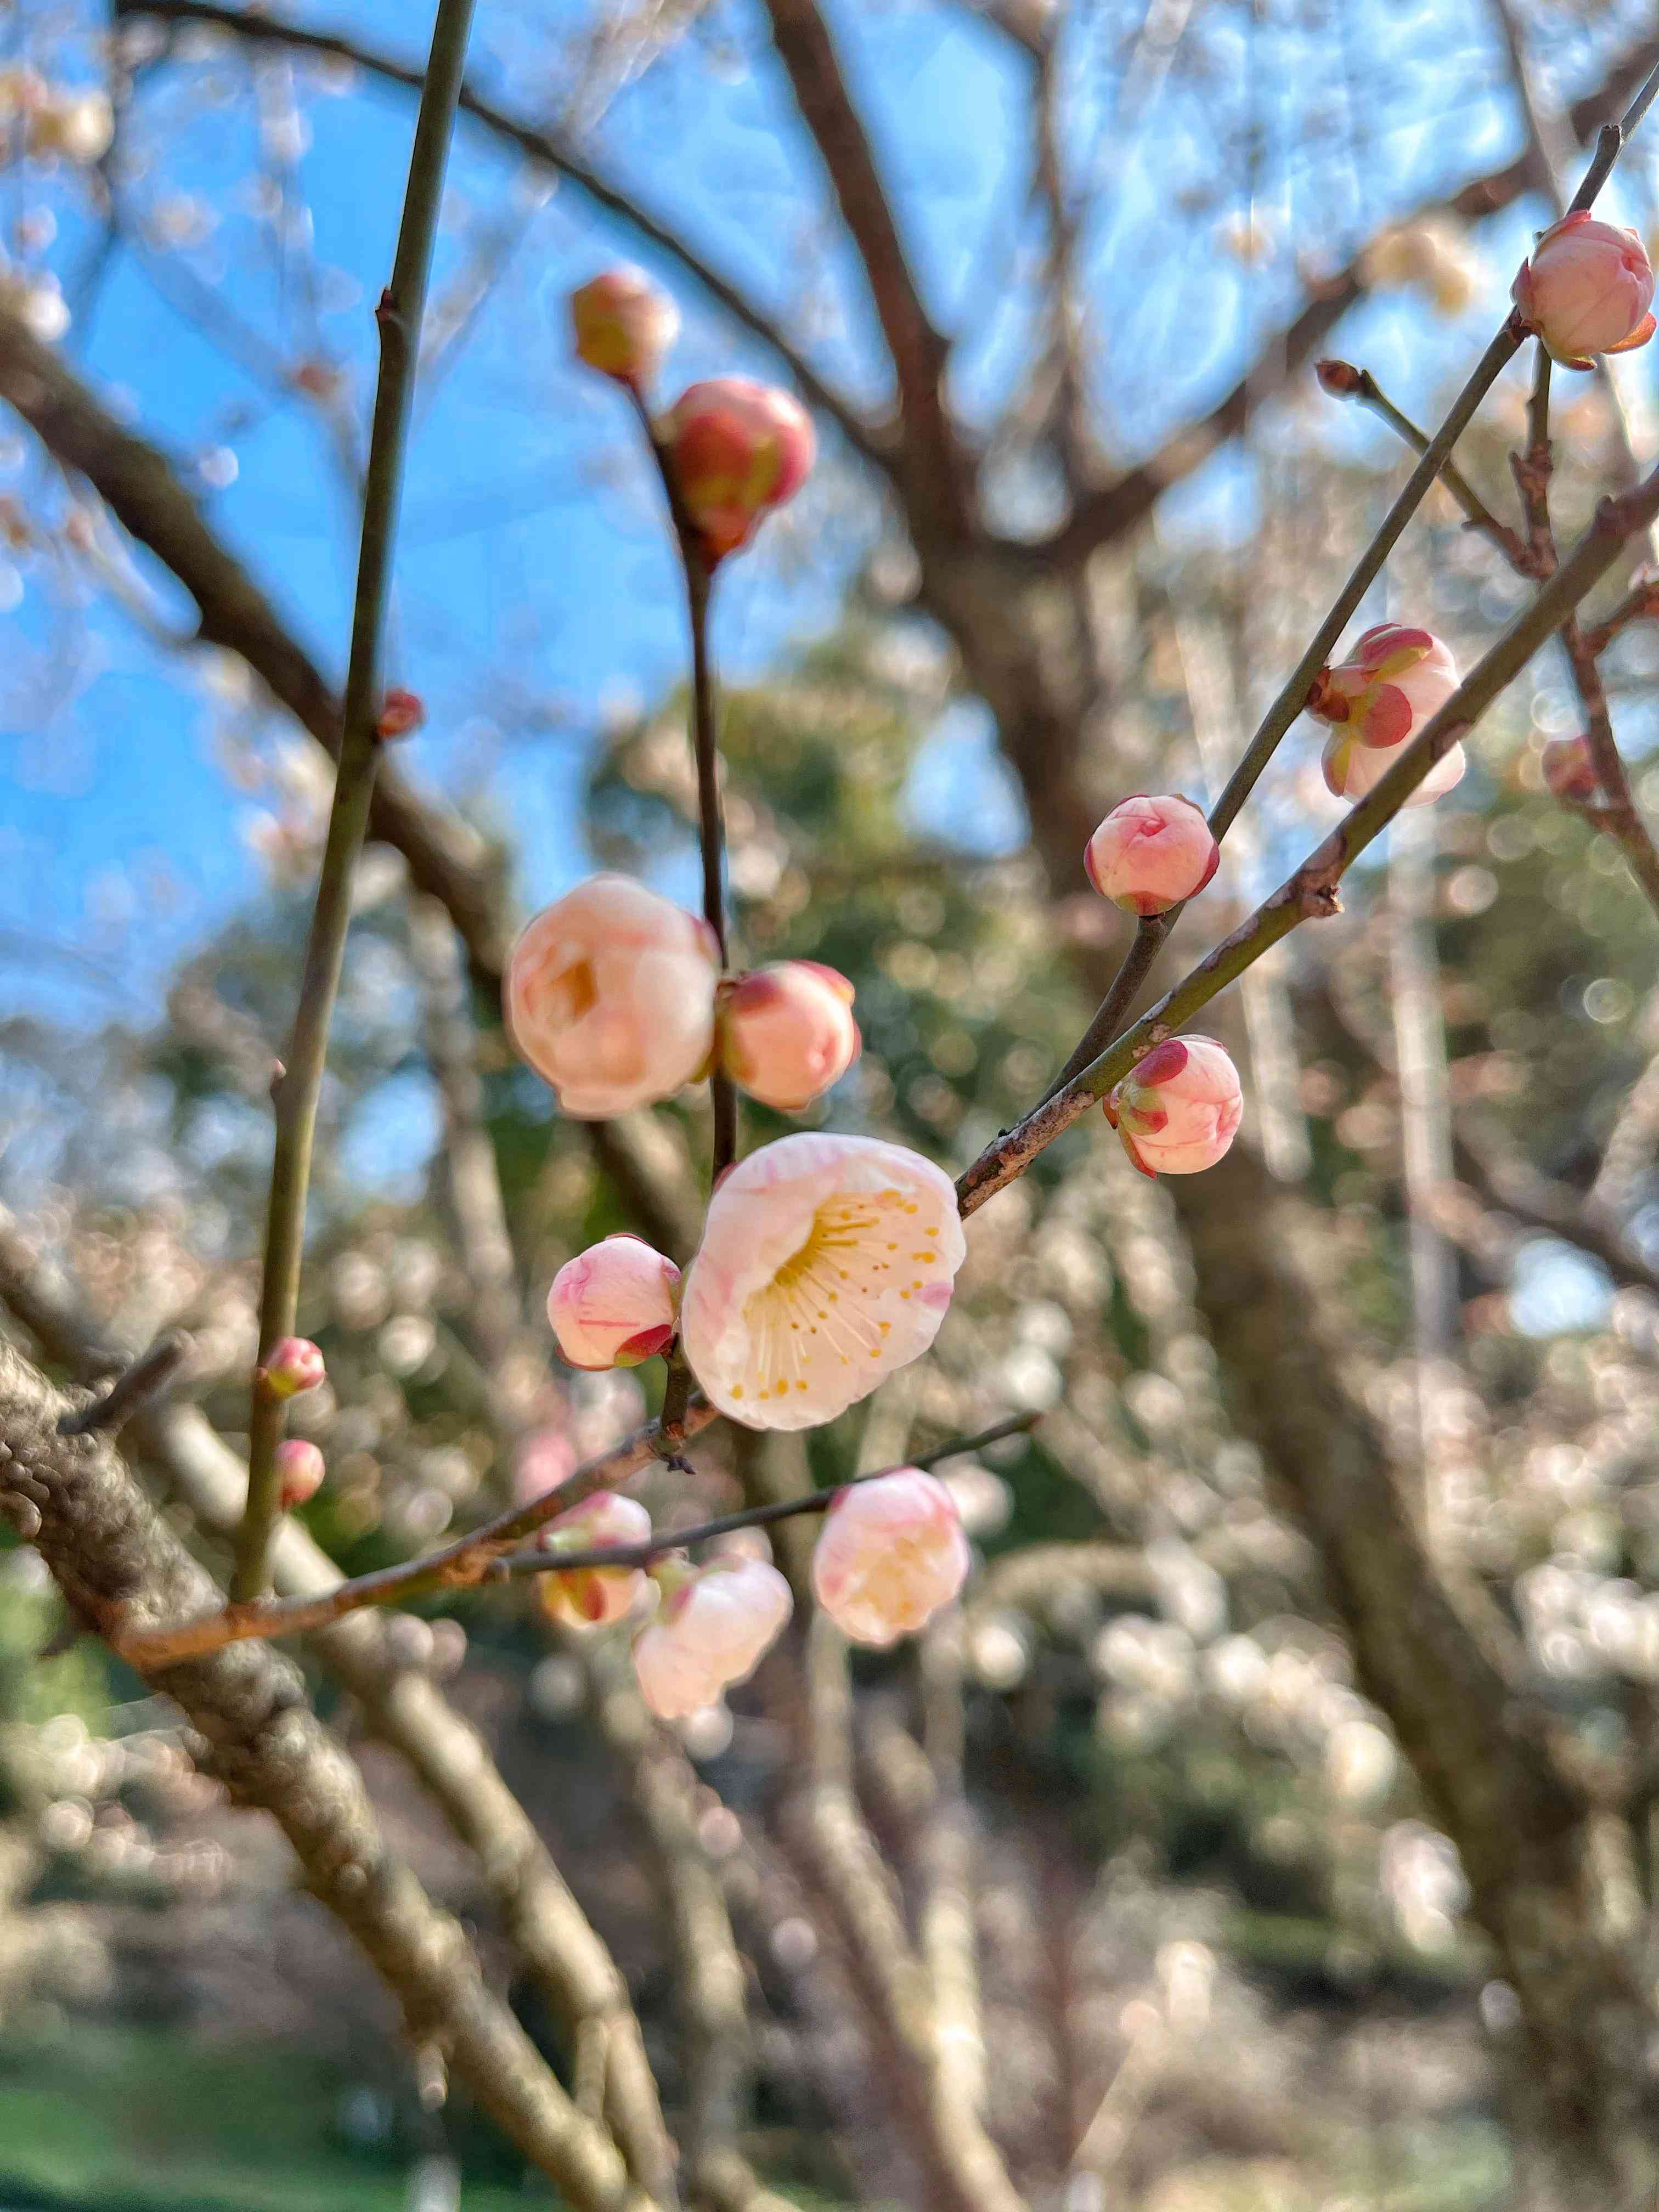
<point x="298" y="1087"/>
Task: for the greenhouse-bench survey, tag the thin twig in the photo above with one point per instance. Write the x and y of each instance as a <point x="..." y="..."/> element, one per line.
<point x="749" y="1516"/>
<point x="148" y="1379"/>
<point x="469" y="1561"/>
<point x="1342" y="380"/>
<point x="398" y="320"/>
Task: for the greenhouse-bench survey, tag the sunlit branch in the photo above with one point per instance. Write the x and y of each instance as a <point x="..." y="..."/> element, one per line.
<point x="296" y="1094"/>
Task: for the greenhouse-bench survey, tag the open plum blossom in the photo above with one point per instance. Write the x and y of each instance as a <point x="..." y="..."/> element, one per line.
<point x="893" y="1551"/>
<point x="1585" y="288"/>
<point x="787" y="1032"/>
<point x="592" y="1597"/>
<point x="613" y="1305"/>
<point x="610" y="996"/>
<point x="623" y="324"/>
<point x="826" y="1262"/>
<point x="1394" y="680"/>
<point x="715" y="1626"/>
<point x="736" y="450"/>
<point x="1180" y="1109"/>
<point x="1150" y="853"/>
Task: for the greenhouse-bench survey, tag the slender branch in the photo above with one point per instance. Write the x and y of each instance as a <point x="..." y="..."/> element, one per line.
<point x="398" y="319"/>
<point x="540" y="144"/>
<point x="148" y="1378"/>
<point x="139" y="485"/>
<point x="1639" y="604"/>
<point x="930" y="453"/>
<point x="1311" y="891"/>
<point x="1343" y="380"/>
<point x="749" y="1516"/>
<point x="474" y="1559"/>
<point x="1117" y="507"/>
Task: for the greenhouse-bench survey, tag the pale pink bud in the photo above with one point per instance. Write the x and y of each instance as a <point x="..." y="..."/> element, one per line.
<point x="299" y="1470"/>
<point x="787" y="1033"/>
<point x="624" y="324"/>
<point x="1179" y="1108"/>
<point x="1585" y="289"/>
<point x="735" y="449"/>
<point x="293" y="1364"/>
<point x="613" y="1305"/>
<point x="826" y="1262"/>
<point x="713" y="1631"/>
<point x="893" y="1551"/>
<point x="1570" y="769"/>
<point x="544" y="1459"/>
<point x="401" y="712"/>
<point x="592" y="1597"/>
<point x="1394" y="680"/>
<point x="1149" y="854"/>
<point x="610" y="996"/>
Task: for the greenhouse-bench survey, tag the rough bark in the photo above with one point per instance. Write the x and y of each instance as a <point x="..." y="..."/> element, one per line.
<point x="116" y="1562"/>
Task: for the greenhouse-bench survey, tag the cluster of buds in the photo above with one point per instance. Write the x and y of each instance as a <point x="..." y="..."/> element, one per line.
<point x="893" y="1551"/>
<point x="716" y="1624"/>
<point x="1394" y="681"/>
<point x="615" y="1304"/>
<point x="1586" y="288"/>
<point x="1149" y="854"/>
<point x="787" y="1032"/>
<point x="593" y="1597"/>
<point x="735" y="450"/>
<point x="1179" y="1108"/>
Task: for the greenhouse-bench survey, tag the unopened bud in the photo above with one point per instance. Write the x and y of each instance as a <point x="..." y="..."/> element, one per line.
<point x="401" y="712"/>
<point x="1179" y="1109"/>
<point x="624" y="324"/>
<point x="1340" y="379"/>
<point x="787" y="1032"/>
<point x="1570" y="769"/>
<point x="591" y="1597"/>
<point x="299" y="1470"/>
<point x="613" y="1306"/>
<point x="1585" y="289"/>
<point x="737" y="450"/>
<point x="893" y="1551"/>
<point x="1150" y="853"/>
<point x="293" y="1365"/>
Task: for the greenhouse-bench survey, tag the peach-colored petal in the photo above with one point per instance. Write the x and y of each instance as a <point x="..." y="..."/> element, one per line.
<point x="893" y="1551"/>
<point x="827" y="1262"/>
<point x="1179" y="1109"/>
<point x="610" y="996"/>
<point x="787" y="1033"/>
<point x="613" y="1304"/>
<point x="1585" y="289"/>
<point x="713" y="1632"/>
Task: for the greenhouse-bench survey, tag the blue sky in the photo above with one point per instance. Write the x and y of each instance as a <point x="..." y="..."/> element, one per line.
<point x="535" y="587"/>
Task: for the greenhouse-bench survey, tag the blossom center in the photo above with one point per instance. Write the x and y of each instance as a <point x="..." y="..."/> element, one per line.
<point x="815" y="1312"/>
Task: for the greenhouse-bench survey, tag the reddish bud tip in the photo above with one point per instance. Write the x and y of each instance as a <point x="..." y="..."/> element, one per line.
<point x="299" y="1470"/>
<point x="294" y="1364"/>
<point x="1340" y="379"/>
<point x="400" y="712"/>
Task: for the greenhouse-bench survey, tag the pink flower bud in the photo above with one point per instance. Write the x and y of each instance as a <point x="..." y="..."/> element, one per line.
<point x="1394" y="680"/>
<point x="294" y="1364"/>
<point x="613" y="1304"/>
<point x="737" y="449"/>
<point x="624" y="324"/>
<point x="1585" y="289"/>
<point x="401" y="712"/>
<point x="713" y="1631"/>
<point x="1570" y="769"/>
<point x="592" y="1597"/>
<point x="1179" y="1109"/>
<point x="610" y="996"/>
<point x="1150" y="853"/>
<point x="893" y="1551"/>
<point x="787" y="1032"/>
<point x="299" y="1469"/>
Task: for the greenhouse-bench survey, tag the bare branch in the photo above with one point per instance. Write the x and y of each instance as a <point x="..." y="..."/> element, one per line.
<point x="929" y="453"/>
<point x="541" y="145"/>
<point x="115" y="1559"/>
<point x="148" y="1378"/>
